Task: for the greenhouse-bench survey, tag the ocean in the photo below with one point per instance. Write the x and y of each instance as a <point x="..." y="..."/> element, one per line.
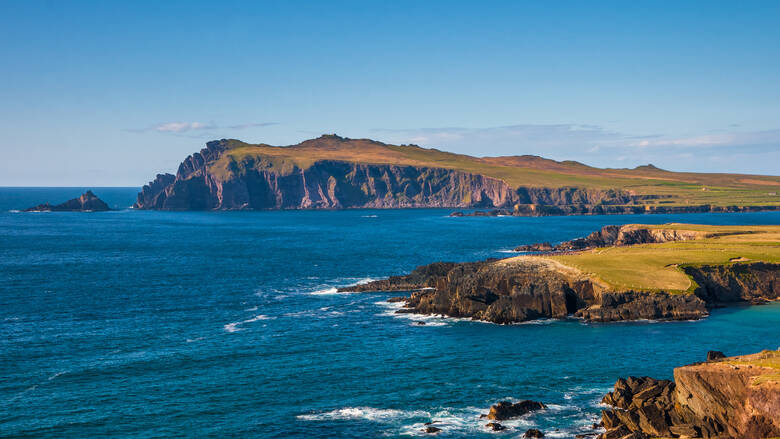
<point x="227" y="324"/>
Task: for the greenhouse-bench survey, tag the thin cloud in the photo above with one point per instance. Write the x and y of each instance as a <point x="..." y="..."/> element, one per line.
<point x="184" y="127"/>
<point x="180" y="127"/>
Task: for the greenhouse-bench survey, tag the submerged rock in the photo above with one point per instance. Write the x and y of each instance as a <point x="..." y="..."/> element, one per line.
<point x="88" y="202"/>
<point x="495" y="426"/>
<point x="431" y="429"/>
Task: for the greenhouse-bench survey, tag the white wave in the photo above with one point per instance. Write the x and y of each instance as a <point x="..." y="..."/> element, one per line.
<point x="254" y="308"/>
<point x="369" y="216"/>
<point x="364" y="413"/>
<point x="428" y="319"/>
<point x="192" y="340"/>
<point x="235" y="326"/>
<point x="344" y="282"/>
<point x="14" y="211"/>
<point x="327" y="292"/>
<point x="507" y="251"/>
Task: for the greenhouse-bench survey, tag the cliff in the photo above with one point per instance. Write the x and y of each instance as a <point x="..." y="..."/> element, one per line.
<point x="735" y="397"/>
<point x="333" y="172"/>
<point x="87" y="202"/>
<point x="596" y="286"/>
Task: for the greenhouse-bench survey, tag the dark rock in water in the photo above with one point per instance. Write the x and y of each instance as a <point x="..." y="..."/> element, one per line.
<point x="495" y="426"/>
<point x="418" y="323"/>
<point x="715" y="355"/>
<point x="540" y="247"/>
<point x="533" y="433"/>
<point x="431" y="429"/>
<point x="88" y="202"/>
<point x="507" y="410"/>
<point x="494" y="212"/>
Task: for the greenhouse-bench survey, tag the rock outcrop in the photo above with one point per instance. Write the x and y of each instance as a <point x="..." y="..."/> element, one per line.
<point x="735" y="397"/>
<point x="87" y="202"/>
<point x="527" y="288"/>
<point x="506" y="410"/>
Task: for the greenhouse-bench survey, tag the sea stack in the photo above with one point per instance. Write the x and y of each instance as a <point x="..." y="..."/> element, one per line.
<point x="87" y="202"/>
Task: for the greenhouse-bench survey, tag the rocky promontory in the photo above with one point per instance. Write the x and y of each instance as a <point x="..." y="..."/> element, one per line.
<point x="725" y="397"/>
<point x="334" y="172"/>
<point x="87" y="202"/>
<point x="532" y="287"/>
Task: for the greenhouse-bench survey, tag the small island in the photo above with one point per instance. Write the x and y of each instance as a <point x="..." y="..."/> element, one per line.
<point x="630" y="272"/>
<point x="87" y="202"/>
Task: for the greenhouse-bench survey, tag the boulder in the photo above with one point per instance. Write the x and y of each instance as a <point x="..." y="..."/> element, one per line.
<point x="495" y="426"/>
<point x="533" y="433"/>
<point x="507" y="410"/>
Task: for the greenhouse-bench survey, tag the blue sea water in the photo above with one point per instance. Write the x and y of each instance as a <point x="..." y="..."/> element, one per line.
<point x="149" y="324"/>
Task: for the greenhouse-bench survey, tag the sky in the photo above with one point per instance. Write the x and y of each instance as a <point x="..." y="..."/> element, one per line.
<point x="110" y="93"/>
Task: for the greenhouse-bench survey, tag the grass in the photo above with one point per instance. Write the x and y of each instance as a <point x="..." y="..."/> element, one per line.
<point x="764" y="359"/>
<point x="656" y="267"/>
<point x="670" y="188"/>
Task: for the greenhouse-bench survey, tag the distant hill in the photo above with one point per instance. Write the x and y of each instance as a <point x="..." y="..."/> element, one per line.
<point x="335" y="172"/>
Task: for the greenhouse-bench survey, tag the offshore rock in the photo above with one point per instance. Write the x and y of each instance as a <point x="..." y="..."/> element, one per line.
<point x="88" y="202"/>
<point x="505" y="410"/>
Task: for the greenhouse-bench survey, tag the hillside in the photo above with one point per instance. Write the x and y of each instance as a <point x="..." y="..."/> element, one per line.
<point x="336" y="172"/>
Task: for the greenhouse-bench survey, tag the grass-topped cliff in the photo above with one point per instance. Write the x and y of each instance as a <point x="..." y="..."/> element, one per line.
<point x="671" y="271"/>
<point x="660" y="266"/>
<point x="332" y="171"/>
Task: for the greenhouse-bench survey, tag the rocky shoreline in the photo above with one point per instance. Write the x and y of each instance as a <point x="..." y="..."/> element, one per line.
<point x="525" y="288"/>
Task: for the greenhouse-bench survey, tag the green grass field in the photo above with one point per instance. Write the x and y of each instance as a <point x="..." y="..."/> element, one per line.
<point x="656" y="267"/>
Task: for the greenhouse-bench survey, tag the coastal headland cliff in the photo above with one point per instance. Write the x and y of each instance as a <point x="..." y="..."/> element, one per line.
<point x="667" y="272"/>
<point x="333" y="172"/>
<point x="724" y="397"/>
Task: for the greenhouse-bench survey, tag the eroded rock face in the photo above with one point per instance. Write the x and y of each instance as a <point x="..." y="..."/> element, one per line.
<point x="723" y="398"/>
<point x="87" y="202"/>
<point x="722" y="284"/>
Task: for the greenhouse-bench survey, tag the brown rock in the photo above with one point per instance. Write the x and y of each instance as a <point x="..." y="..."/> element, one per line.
<point x="533" y="433"/>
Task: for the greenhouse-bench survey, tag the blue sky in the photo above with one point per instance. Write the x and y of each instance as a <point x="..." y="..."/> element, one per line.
<point x="109" y="93"/>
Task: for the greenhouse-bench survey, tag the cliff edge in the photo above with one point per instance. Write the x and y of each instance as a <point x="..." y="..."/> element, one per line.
<point x="725" y="397"/>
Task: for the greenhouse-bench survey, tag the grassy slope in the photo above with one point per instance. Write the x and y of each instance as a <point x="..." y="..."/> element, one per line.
<point x="653" y="267"/>
<point x="678" y="188"/>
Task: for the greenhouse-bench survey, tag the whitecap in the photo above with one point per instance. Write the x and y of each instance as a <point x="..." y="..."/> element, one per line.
<point x="327" y="292"/>
<point x="235" y="326"/>
<point x="364" y="413"/>
<point x="14" y="211"/>
<point x="507" y="251"/>
<point x="369" y="216"/>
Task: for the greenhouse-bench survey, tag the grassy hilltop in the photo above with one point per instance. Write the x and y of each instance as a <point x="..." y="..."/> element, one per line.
<point x="656" y="267"/>
<point x="662" y="188"/>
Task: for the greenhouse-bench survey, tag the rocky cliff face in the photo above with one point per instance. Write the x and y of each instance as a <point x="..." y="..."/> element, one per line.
<point x="617" y="235"/>
<point x="501" y="291"/>
<point x="736" y="397"/>
<point x="253" y="183"/>
<point x="87" y="202"/>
